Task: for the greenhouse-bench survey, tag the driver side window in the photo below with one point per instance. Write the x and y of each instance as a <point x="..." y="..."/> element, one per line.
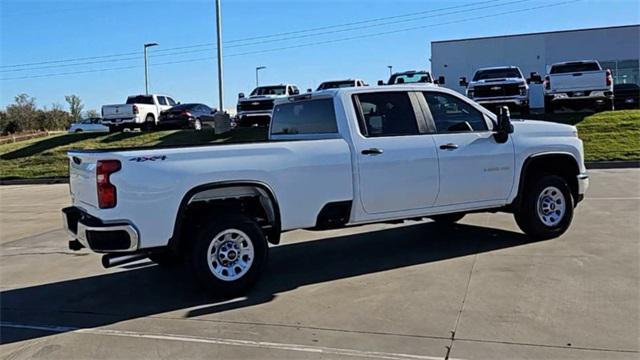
<point x="451" y="114"/>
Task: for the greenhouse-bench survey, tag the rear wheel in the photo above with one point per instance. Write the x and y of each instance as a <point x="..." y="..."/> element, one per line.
<point x="546" y="210"/>
<point x="548" y="106"/>
<point x="447" y="218"/>
<point x="228" y="255"/>
<point x="149" y="122"/>
<point x="525" y="111"/>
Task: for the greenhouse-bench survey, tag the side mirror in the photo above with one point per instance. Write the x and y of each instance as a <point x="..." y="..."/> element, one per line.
<point x="240" y="95"/>
<point x="463" y="82"/>
<point x="535" y="78"/>
<point x="380" y="82"/>
<point x="440" y="80"/>
<point x="504" y="127"/>
<point x="309" y="90"/>
<point x="178" y="103"/>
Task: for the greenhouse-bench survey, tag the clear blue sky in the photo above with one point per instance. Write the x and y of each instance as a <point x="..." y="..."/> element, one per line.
<point x="39" y="31"/>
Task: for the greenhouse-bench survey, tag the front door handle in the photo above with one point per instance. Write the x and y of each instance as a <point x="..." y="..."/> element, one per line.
<point x="372" y="151"/>
<point x="449" y="146"/>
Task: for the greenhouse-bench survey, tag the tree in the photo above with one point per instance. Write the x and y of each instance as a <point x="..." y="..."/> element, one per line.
<point x="92" y="113"/>
<point x="21" y="115"/>
<point x="75" y="106"/>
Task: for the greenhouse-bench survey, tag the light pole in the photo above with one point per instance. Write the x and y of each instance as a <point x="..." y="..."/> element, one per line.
<point x="219" y="41"/>
<point x="258" y="68"/>
<point x="146" y="70"/>
<point x="390" y="70"/>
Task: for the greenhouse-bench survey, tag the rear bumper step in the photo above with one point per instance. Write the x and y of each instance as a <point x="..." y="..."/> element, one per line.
<point x="91" y="232"/>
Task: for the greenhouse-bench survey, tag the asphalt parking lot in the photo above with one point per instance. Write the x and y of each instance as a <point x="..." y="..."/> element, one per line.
<point x="480" y="290"/>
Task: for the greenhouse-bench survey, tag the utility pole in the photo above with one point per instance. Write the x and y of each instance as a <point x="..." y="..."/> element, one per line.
<point x="390" y="70"/>
<point x="219" y="35"/>
<point x="146" y="69"/>
<point x="258" y="68"/>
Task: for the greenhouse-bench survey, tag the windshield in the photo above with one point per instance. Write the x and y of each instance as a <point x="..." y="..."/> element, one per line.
<point x="417" y="77"/>
<point x="336" y="84"/>
<point x="575" y="67"/>
<point x="140" y="99"/>
<point x="270" y="90"/>
<point x="497" y="74"/>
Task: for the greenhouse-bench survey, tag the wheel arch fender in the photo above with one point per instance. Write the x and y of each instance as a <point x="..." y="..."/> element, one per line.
<point x="561" y="163"/>
<point x="229" y="189"/>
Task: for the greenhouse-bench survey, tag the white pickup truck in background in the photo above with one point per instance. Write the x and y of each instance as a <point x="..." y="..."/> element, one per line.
<point x="334" y="158"/>
<point x="495" y="87"/>
<point x="139" y="111"/>
<point x="578" y="85"/>
<point x="255" y="110"/>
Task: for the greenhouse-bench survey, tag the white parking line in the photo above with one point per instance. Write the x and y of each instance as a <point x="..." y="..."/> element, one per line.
<point x="224" y="341"/>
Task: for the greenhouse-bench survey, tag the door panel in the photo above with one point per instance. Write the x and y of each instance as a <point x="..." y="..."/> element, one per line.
<point x="398" y="166"/>
<point x="479" y="169"/>
<point x="473" y="166"/>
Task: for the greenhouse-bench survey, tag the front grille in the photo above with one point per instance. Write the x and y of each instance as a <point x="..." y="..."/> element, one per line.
<point x="496" y="90"/>
<point x="256" y="105"/>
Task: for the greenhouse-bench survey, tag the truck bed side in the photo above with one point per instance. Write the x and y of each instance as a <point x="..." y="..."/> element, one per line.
<point x="303" y="175"/>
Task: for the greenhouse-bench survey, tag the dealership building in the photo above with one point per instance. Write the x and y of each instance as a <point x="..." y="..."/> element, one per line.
<point x="616" y="48"/>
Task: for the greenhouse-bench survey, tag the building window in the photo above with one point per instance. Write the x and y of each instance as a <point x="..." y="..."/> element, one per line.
<point x="623" y="71"/>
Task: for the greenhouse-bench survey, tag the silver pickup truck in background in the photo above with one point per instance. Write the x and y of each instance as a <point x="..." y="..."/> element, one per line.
<point x="578" y="85"/>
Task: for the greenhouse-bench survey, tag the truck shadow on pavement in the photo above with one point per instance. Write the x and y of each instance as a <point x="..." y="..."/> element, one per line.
<point x="150" y="290"/>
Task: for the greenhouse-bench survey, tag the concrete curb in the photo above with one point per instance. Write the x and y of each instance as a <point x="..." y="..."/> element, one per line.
<point x="612" y="164"/>
<point x="36" y="181"/>
<point x="65" y="180"/>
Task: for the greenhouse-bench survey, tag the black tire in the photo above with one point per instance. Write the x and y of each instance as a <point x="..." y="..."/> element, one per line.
<point x="78" y="131"/>
<point x="113" y="129"/>
<point x="149" y="123"/>
<point x="447" y="219"/>
<point x="525" y="111"/>
<point x="528" y="217"/>
<point x="199" y="260"/>
<point x="548" y="106"/>
<point x="165" y="259"/>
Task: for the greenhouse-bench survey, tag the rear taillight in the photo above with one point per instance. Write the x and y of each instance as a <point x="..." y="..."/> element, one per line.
<point x="609" y="78"/>
<point x="107" y="196"/>
<point x="135" y="109"/>
<point x="547" y="82"/>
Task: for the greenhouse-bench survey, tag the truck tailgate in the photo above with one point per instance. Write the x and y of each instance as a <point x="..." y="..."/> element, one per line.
<point x="588" y="80"/>
<point x="117" y="111"/>
<point x="82" y="179"/>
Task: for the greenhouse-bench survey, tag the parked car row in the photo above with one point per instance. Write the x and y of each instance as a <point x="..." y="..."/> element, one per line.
<point x="574" y="84"/>
<point x="256" y="109"/>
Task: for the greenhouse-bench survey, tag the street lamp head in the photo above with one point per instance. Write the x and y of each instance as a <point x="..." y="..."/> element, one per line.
<point x="150" y="45"/>
<point x="260" y="67"/>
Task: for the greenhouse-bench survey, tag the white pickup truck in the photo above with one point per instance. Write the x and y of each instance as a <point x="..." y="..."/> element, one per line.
<point x="139" y="111"/>
<point x="577" y="85"/>
<point x="255" y="110"/>
<point x="495" y="87"/>
<point x="338" y="157"/>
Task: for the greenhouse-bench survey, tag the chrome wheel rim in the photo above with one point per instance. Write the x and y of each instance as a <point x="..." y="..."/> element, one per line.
<point x="197" y="125"/>
<point x="230" y="255"/>
<point x="551" y="206"/>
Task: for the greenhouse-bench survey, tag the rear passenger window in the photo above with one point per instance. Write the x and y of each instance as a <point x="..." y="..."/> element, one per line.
<point x="171" y="101"/>
<point x="304" y="117"/>
<point x="386" y="114"/>
<point x="162" y="100"/>
<point x="452" y="114"/>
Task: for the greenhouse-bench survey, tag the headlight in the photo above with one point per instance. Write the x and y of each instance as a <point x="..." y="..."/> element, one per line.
<point x="470" y="93"/>
<point x="523" y="91"/>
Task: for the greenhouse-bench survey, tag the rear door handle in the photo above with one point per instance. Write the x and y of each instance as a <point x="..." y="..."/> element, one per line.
<point x="449" y="146"/>
<point x="372" y="151"/>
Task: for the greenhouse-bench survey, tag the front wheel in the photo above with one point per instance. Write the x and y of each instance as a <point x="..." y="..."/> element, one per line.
<point x="228" y="255"/>
<point x="546" y="210"/>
